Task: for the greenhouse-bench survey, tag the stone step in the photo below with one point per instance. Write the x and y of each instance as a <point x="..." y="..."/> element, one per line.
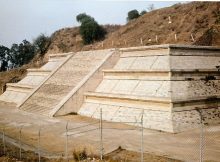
<point x="170" y="49"/>
<point x="19" y="87"/>
<point x="59" y="55"/>
<point x="33" y="80"/>
<point x="136" y="74"/>
<point x="38" y="72"/>
<point x="156" y="50"/>
<point x="157" y="103"/>
<point x="13" y="96"/>
<point x="160" y="74"/>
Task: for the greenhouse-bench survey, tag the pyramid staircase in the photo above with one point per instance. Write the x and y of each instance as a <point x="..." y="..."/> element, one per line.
<point x="17" y="92"/>
<point x="62" y="92"/>
<point x="165" y="83"/>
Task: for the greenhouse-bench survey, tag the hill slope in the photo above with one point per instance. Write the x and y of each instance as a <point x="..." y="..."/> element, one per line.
<point x="201" y="19"/>
<point x="187" y="20"/>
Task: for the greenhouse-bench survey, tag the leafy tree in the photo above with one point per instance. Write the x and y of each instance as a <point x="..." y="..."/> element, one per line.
<point x="27" y="50"/>
<point x="21" y="54"/>
<point x="41" y="43"/>
<point x="83" y="17"/>
<point x="133" y="14"/>
<point x="90" y="30"/>
<point x="4" y="54"/>
<point x="143" y="12"/>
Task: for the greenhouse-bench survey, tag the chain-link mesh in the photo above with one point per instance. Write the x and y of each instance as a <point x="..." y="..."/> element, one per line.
<point x="192" y="141"/>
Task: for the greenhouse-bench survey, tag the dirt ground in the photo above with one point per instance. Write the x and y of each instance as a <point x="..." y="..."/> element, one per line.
<point x="119" y="155"/>
<point x="181" y="146"/>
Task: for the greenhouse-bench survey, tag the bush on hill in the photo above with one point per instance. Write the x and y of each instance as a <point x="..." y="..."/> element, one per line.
<point x="90" y="30"/>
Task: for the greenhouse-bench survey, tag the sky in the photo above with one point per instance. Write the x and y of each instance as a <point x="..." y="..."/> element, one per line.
<point x="26" y="19"/>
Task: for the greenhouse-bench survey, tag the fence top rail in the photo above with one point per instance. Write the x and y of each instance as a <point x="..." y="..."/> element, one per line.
<point x="90" y="130"/>
<point x="83" y="126"/>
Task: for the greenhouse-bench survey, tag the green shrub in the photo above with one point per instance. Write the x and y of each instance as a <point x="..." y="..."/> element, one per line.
<point x="133" y="14"/>
<point x="41" y="43"/>
<point x="90" y="30"/>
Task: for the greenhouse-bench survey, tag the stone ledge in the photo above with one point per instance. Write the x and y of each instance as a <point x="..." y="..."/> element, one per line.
<point x="150" y="98"/>
<point x="60" y="55"/>
<point x="173" y="74"/>
<point x="138" y="102"/>
<point x="19" y="87"/>
<point x="136" y="74"/>
<point x="38" y="72"/>
<point x="184" y="104"/>
<point x="160" y="70"/>
<point x="174" y="46"/>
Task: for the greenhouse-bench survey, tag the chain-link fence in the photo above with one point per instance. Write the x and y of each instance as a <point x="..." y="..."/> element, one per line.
<point x="194" y="140"/>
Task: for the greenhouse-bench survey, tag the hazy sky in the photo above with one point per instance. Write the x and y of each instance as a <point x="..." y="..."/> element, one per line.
<point x="26" y="19"/>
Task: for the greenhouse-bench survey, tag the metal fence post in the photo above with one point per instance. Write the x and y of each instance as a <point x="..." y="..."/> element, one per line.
<point x="3" y="140"/>
<point x="66" y="144"/>
<point x="201" y="136"/>
<point x="20" y="142"/>
<point x="100" y="127"/>
<point x="39" y="156"/>
<point x="142" y="136"/>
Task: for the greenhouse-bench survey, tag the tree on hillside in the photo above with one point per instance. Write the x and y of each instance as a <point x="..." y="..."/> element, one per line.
<point x="41" y="43"/>
<point x="21" y="54"/>
<point x="90" y="30"/>
<point x="84" y="17"/>
<point x="133" y="14"/>
<point x="4" y="53"/>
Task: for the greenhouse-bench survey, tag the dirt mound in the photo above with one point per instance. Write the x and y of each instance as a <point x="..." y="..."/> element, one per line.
<point x="178" y="24"/>
<point x="69" y="39"/>
<point x="211" y="37"/>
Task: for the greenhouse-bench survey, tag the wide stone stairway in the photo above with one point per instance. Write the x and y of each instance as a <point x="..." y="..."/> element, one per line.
<point x="52" y="95"/>
<point x="17" y="92"/>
